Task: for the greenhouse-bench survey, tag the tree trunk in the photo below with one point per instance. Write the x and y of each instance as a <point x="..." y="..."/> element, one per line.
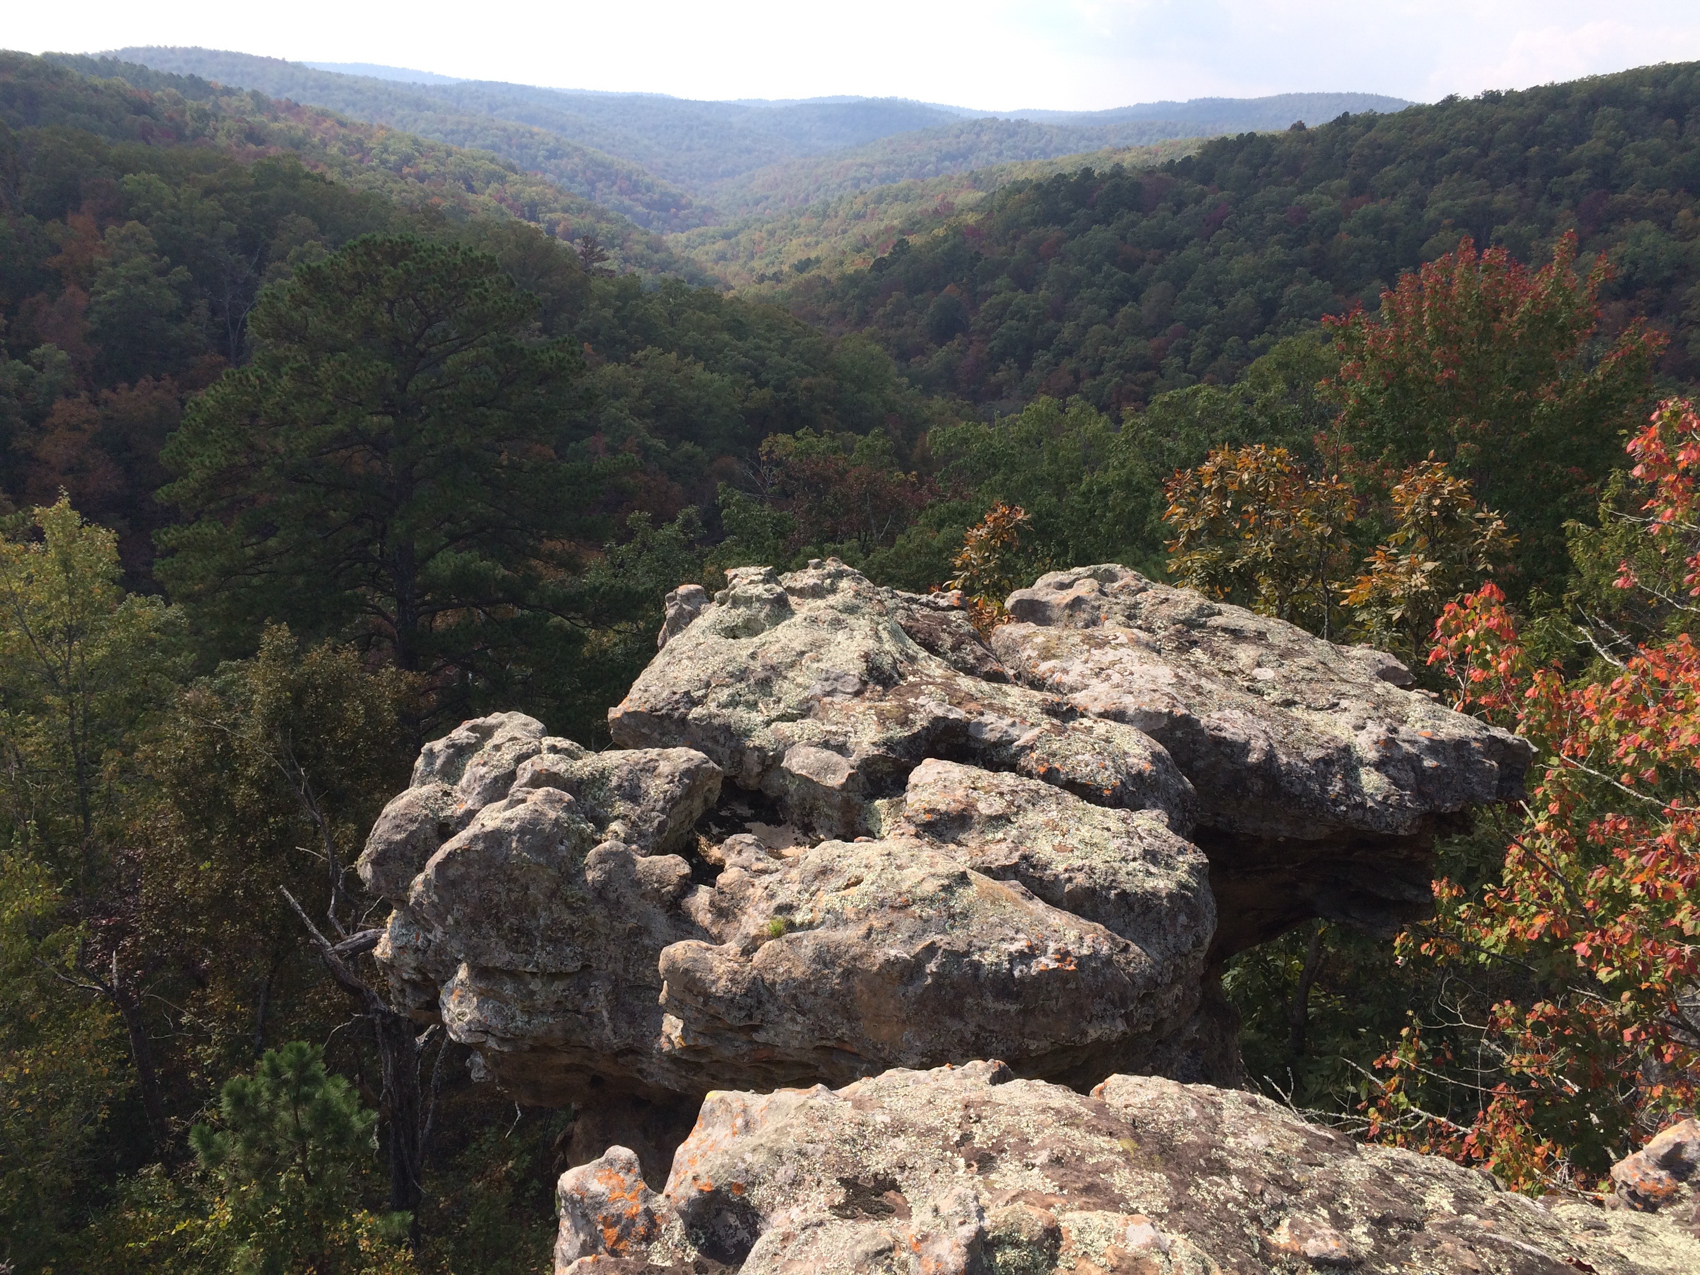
<point x="141" y="1057"/>
<point x="398" y="1055"/>
<point x="1298" y="1009"/>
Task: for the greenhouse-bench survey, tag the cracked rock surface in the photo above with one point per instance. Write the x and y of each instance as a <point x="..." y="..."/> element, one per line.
<point x="840" y="833"/>
<point x="1320" y="781"/>
<point x="970" y="1170"/>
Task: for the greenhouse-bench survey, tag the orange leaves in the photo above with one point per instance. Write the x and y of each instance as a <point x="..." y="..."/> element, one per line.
<point x="1252" y="526"/>
<point x="985" y="566"/>
<point x="1667" y="456"/>
<point x="1596" y="907"/>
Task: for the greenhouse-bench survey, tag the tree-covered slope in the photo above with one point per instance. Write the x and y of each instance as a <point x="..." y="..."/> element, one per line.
<point x="138" y="228"/>
<point x="961" y="147"/>
<point x="672" y="163"/>
<point x="768" y="249"/>
<point x="604" y="179"/>
<point x="413" y="170"/>
<point x="676" y="140"/>
<point x="1118" y="284"/>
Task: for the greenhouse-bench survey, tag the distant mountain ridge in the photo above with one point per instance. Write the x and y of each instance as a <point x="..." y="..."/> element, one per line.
<point x="378" y="71"/>
<point x="1237" y="114"/>
<point x="671" y="164"/>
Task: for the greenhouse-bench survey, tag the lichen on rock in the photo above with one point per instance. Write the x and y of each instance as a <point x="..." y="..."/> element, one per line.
<point x="839" y="833"/>
<point x="972" y="1171"/>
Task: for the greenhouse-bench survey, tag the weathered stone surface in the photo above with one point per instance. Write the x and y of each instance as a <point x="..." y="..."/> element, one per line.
<point x="408" y="832"/>
<point x="849" y="958"/>
<point x="1121" y="868"/>
<point x="555" y="934"/>
<point x="837" y="839"/>
<point x="544" y="942"/>
<point x="1664" y="1174"/>
<point x="534" y="896"/>
<point x="682" y="606"/>
<point x="968" y="1170"/>
<point x="648" y="798"/>
<point x="454" y="778"/>
<point x="1320" y="782"/>
<point x="605" y="1209"/>
<point x="808" y="688"/>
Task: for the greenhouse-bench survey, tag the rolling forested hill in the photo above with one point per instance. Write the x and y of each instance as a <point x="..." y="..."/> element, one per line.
<point x="616" y="184"/>
<point x="766" y="249"/>
<point x="671" y="163"/>
<point x="137" y="228"/>
<point x="1118" y="284"/>
<point x="410" y="168"/>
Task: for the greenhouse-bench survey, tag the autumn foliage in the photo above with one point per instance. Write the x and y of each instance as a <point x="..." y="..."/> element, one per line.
<point x="986" y="570"/>
<point x="1490" y="367"/>
<point x="1588" y="935"/>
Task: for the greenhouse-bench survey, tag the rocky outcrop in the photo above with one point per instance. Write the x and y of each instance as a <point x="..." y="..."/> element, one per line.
<point x="839" y="834"/>
<point x="1664" y="1175"/>
<point x="581" y="966"/>
<point x="969" y="1170"/>
<point x="810" y="690"/>
<point x="1320" y="781"/>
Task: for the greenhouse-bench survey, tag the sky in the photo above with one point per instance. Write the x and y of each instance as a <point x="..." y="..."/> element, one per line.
<point x="987" y="54"/>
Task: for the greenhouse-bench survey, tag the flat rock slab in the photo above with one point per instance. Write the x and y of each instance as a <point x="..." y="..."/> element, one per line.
<point x="1320" y="781"/>
<point x="969" y="1169"/>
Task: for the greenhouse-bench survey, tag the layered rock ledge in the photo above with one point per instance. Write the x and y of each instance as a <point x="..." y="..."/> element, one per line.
<point x="840" y="834"/>
<point x="970" y="1171"/>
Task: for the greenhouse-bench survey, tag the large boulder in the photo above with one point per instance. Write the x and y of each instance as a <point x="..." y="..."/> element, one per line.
<point x="809" y="689"/>
<point x="551" y="933"/>
<point x="839" y="834"/>
<point x="971" y="1171"/>
<point x="856" y="956"/>
<point x="1320" y="780"/>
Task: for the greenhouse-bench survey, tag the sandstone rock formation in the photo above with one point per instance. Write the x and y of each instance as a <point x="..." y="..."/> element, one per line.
<point x="840" y="834"/>
<point x="1664" y="1175"/>
<point x="1320" y="782"/>
<point x="968" y="1170"/>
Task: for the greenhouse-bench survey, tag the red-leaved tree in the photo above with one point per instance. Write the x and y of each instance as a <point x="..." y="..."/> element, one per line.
<point x="1575" y="1030"/>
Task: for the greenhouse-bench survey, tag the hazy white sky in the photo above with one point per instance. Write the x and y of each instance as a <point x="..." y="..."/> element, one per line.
<point x="996" y="54"/>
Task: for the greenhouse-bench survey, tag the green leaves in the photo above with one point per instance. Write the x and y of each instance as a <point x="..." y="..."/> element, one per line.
<point x="288" y="1156"/>
<point x="291" y="1117"/>
<point x="1488" y="367"/>
<point x="81" y="663"/>
<point x="384" y="472"/>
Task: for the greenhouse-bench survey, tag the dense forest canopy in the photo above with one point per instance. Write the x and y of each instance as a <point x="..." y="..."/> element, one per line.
<point x="1119" y="285"/>
<point x="318" y="434"/>
<point x="670" y="163"/>
<point x="141" y="227"/>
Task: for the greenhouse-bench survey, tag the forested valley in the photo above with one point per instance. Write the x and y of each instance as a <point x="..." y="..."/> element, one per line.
<point x="318" y="437"/>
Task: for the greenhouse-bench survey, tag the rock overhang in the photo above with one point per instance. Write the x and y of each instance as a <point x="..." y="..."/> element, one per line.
<point x="1035" y="849"/>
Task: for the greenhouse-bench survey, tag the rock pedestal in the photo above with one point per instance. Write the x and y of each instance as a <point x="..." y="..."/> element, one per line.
<point x="839" y="833"/>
